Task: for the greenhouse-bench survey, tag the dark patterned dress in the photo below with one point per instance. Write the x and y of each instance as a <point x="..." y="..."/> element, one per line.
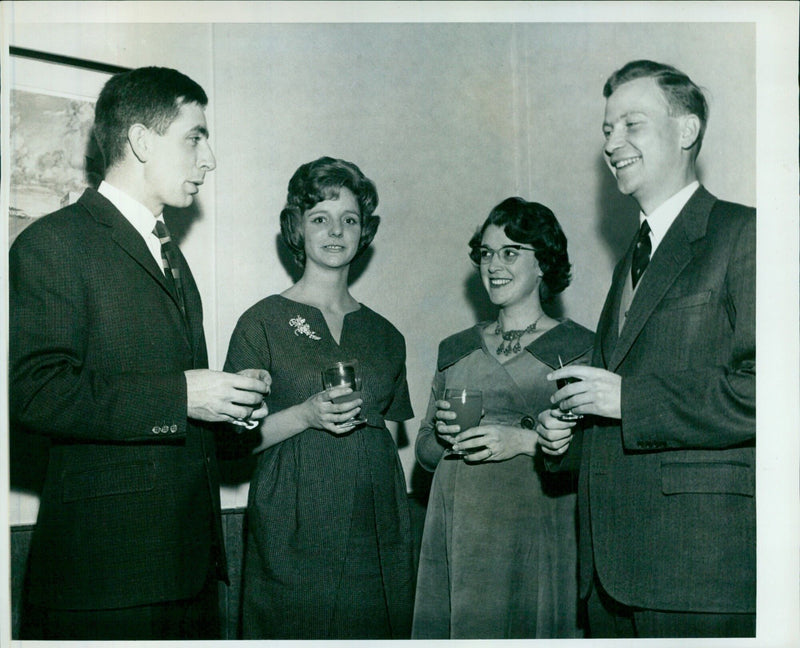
<point x="329" y="551"/>
<point x="499" y="550"/>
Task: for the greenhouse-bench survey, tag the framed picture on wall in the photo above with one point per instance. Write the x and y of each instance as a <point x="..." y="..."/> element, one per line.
<point x="53" y="157"/>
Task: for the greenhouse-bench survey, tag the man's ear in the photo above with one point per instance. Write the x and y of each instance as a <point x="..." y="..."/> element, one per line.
<point x="139" y="138"/>
<point x="690" y="130"/>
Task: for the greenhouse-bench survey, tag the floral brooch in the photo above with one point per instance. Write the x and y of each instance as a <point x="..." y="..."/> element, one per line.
<point x="301" y="327"/>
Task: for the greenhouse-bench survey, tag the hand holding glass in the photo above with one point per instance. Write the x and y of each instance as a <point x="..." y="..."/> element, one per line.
<point x="344" y="374"/>
<point x="468" y="407"/>
<point x="567" y="415"/>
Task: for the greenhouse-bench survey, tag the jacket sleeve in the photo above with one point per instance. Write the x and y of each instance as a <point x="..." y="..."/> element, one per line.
<point x="711" y="406"/>
<point x="428" y="448"/>
<point x="51" y="389"/>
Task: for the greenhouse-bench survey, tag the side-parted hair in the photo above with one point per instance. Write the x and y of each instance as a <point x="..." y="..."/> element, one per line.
<point x="151" y="96"/>
<point x="682" y="94"/>
<point x="533" y="224"/>
<point x="321" y="180"/>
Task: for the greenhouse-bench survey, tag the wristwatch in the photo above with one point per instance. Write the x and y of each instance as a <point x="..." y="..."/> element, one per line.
<point x="527" y="422"/>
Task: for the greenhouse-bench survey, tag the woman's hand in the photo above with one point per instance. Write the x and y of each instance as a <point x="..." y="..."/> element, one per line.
<point x="322" y="413"/>
<point x="495" y="442"/>
<point x="443" y="422"/>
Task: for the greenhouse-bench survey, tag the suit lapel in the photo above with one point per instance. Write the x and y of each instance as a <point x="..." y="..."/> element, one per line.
<point x="608" y="327"/>
<point x="129" y="240"/>
<point x="669" y="260"/>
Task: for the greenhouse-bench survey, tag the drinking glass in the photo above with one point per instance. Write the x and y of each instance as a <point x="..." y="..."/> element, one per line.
<point x="344" y="374"/>
<point x="468" y="406"/>
<point x="567" y="415"/>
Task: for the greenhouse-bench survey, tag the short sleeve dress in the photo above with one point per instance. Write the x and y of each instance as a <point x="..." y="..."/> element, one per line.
<point x="499" y="551"/>
<point x="329" y="551"/>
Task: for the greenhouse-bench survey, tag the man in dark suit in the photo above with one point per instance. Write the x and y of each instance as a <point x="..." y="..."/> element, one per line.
<point x="108" y="359"/>
<point x="667" y="463"/>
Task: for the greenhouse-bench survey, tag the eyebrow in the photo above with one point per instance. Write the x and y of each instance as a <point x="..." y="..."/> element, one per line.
<point x="201" y="130"/>
<point x="624" y="116"/>
<point x="322" y="210"/>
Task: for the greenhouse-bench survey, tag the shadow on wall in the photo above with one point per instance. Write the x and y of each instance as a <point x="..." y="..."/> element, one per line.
<point x="180" y="221"/>
<point x="617" y="215"/>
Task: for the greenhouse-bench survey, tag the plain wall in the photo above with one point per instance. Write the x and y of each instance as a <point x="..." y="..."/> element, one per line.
<point x="447" y="119"/>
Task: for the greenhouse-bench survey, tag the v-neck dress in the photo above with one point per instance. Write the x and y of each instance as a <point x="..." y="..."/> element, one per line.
<point x="499" y="552"/>
<point x="329" y="551"/>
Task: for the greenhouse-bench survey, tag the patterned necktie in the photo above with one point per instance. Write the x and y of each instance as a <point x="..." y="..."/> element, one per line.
<point x="172" y="273"/>
<point x="641" y="253"/>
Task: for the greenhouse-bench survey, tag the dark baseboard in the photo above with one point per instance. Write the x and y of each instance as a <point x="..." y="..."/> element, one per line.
<point x="229" y="599"/>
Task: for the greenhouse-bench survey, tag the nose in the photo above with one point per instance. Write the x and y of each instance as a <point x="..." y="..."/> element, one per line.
<point x="613" y="142"/>
<point x="206" y="160"/>
<point x="335" y="228"/>
<point x="494" y="263"/>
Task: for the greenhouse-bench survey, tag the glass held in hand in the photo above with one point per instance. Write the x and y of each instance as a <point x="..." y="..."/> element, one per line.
<point x="468" y="407"/>
<point x="567" y="415"/>
<point x="344" y="374"/>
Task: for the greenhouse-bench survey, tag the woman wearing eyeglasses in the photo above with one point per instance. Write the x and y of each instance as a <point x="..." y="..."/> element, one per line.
<point x="498" y="554"/>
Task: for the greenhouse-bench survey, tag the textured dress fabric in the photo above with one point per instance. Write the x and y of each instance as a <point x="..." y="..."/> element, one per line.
<point x="329" y="549"/>
<point x="499" y="550"/>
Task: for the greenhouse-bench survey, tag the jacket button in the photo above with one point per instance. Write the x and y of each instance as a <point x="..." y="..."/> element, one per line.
<point x="156" y="429"/>
<point x="173" y="428"/>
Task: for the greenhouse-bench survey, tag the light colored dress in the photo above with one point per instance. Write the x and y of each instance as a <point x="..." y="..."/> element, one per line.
<point x="499" y="551"/>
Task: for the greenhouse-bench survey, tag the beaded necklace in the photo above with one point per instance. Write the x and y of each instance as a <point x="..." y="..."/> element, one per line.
<point x="510" y="343"/>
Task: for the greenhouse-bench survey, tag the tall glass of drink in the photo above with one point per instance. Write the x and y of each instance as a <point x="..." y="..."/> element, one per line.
<point x="344" y="374"/>
<point x="468" y="406"/>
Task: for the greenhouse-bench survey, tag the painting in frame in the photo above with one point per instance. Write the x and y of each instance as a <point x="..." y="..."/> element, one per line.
<point x="53" y="156"/>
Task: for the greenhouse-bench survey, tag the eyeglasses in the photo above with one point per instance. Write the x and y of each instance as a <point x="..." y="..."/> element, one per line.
<point x="507" y="254"/>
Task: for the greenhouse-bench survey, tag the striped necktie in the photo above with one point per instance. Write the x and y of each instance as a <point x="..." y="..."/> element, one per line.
<point x="169" y="262"/>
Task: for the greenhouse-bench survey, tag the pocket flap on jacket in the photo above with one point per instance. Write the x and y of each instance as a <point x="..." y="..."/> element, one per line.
<point x="115" y="479"/>
<point x="687" y="301"/>
<point x="708" y="477"/>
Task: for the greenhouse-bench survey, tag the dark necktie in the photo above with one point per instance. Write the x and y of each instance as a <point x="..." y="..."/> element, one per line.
<point x="169" y="262"/>
<point x="641" y="253"/>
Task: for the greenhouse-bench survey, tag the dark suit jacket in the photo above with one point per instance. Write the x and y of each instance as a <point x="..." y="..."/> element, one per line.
<point x="667" y="497"/>
<point x="129" y="511"/>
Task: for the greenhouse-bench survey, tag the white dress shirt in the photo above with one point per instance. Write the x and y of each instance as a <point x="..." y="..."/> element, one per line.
<point x="137" y="215"/>
<point x="660" y="220"/>
<point x="665" y="214"/>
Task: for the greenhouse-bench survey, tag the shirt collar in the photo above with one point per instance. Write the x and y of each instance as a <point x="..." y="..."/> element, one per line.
<point x="135" y="212"/>
<point x="665" y="214"/>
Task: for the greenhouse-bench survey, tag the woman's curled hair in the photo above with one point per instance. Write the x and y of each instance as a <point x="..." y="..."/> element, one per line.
<point x="321" y="180"/>
<point x="533" y="224"/>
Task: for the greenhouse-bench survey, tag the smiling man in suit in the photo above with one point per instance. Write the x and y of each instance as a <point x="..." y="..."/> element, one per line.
<point x="667" y="462"/>
<point x="108" y="359"/>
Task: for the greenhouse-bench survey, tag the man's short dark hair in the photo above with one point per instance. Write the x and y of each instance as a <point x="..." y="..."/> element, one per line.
<point x="151" y="96"/>
<point x="682" y="94"/>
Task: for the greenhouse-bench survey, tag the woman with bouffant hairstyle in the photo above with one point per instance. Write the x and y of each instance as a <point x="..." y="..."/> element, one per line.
<point x="329" y="553"/>
<point x="321" y="180"/>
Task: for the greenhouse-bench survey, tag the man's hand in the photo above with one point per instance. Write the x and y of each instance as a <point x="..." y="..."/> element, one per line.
<point x="221" y="396"/>
<point x="597" y="391"/>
